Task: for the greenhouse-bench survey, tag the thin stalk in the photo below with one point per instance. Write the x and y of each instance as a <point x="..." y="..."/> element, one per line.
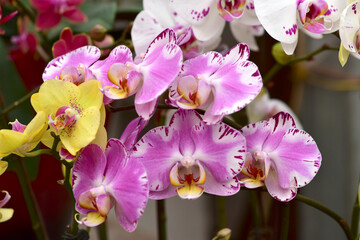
<point x="343" y="224"/>
<point x="277" y="67"/>
<point x="103" y="231"/>
<point x="37" y="221"/>
<point x="161" y="219"/>
<point x="18" y="102"/>
<point x="285" y="222"/>
<point x="39" y="152"/>
<point x="67" y="184"/>
<point x="355" y="217"/>
<point x="221" y="209"/>
<point x="255" y="204"/>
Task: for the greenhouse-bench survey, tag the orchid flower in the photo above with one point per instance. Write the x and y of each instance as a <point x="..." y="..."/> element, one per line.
<point x="283" y="18"/>
<point x="350" y="31"/>
<point x="197" y="158"/>
<point x="105" y="180"/>
<point x="68" y="42"/>
<point x="5" y="213"/>
<point x="5" y="19"/>
<point x="25" y="41"/>
<point x="280" y="156"/>
<point x="22" y="139"/>
<point x="51" y="11"/>
<point x="73" y="111"/>
<point x="155" y="18"/>
<point x="220" y="84"/>
<point x="148" y="77"/>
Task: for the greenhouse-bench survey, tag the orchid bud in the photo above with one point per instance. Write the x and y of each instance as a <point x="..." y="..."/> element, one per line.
<point x="223" y="234"/>
<point x="280" y="56"/>
<point x="98" y="32"/>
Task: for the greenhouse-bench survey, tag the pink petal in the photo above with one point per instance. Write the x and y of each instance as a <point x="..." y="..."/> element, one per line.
<point x="132" y="132"/>
<point x="146" y="110"/>
<point x="59" y="48"/>
<point x="84" y="55"/>
<point x="161" y="64"/>
<point x="5" y="199"/>
<point x="48" y="19"/>
<point x="75" y="15"/>
<point x="41" y="5"/>
<point x="88" y="171"/>
<point x="276" y="191"/>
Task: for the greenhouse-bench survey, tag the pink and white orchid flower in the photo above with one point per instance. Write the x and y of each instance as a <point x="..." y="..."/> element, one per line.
<point x="220" y="84"/>
<point x="350" y="31"/>
<point x="283" y="18"/>
<point x="147" y="77"/>
<point x="51" y="11"/>
<point x="155" y="18"/>
<point x="280" y="156"/>
<point x="105" y="180"/>
<point x="197" y="158"/>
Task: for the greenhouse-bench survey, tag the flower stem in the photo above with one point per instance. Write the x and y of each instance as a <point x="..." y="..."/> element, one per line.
<point x="103" y="231"/>
<point x="161" y="219"/>
<point x="37" y="220"/>
<point x="355" y="217"/>
<point x="343" y="224"/>
<point x="221" y="209"/>
<point x="285" y="222"/>
<point x="277" y="67"/>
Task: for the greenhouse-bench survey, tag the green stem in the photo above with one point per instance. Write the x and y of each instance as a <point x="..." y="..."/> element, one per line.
<point x="221" y="208"/>
<point x="161" y="219"/>
<point x="18" y="102"/>
<point x="285" y="222"/>
<point x="355" y="217"/>
<point x="343" y="224"/>
<point x="255" y="204"/>
<point x="39" y="152"/>
<point x="103" y="231"/>
<point x="37" y="220"/>
<point x="277" y="67"/>
<point x="67" y="184"/>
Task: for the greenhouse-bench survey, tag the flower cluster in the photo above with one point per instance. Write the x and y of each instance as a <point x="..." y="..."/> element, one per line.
<point x="175" y="58"/>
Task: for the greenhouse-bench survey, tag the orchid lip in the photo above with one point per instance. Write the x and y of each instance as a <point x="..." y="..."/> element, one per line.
<point x="65" y="117"/>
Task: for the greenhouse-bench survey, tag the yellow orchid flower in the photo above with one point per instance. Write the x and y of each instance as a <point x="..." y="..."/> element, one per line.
<point x="22" y="139"/>
<point x="73" y="111"/>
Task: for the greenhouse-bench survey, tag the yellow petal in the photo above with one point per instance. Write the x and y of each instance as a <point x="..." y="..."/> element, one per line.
<point x="10" y="141"/>
<point x="83" y="132"/>
<point x="35" y="102"/>
<point x="90" y="94"/>
<point x="3" y="166"/>
<point x="190" y="191"/>
<point x="92" y="219"/>
<point x="54" y="94"/>
<point x="101" y="138"/>
<point x="115" y="93"/>
<point x="6" y="214"/>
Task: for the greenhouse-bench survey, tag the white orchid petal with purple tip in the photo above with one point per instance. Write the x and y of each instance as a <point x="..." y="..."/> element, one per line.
<point x="279" y="155"/>
<point x="102" y="180"/>
<point x="198" y="157"/>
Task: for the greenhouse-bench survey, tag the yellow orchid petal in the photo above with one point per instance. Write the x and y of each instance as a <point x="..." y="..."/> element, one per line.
<point x="6" y="214"/>
<point x="83" y="132"/>
<point x="190" y="191"/>
<point x="10" y="141"/>
<point x="92" y="219"/>
<point x="54" y="94"/>
<point x="115" y="93"/>
<point x="101" y="137"/>
<point x="35" y="102"/>
<point x="90" y="94"/>
<point x="3" y="166"/>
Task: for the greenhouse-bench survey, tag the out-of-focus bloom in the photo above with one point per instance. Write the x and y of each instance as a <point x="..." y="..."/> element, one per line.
<point x="22" y="139"/>
<point x="51" y="11"/>
<point x="280" y="156"/>
<point x="105" y="180"/>
<point x="5" y="213"/>
<point x="283" y="18"/>
<point x="26" y="42"/>
<point x="73" y="111"/>
<point x="148" y="77"/>
<point x="263" y="107"/>
<point x="220" y="84"/>
<point x="6" y="19"/>
<point x="350" y="31"/>
<point x="159" y="15"/>
<point x="197" y="158"/>
<point x="69" y="42"/>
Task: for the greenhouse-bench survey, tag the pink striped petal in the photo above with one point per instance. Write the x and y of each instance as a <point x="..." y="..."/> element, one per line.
<point x="132" y="132"/>
<point x="161" y="64"/>
<point x="276" y="191"/>
<point x="84" y="55"/>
